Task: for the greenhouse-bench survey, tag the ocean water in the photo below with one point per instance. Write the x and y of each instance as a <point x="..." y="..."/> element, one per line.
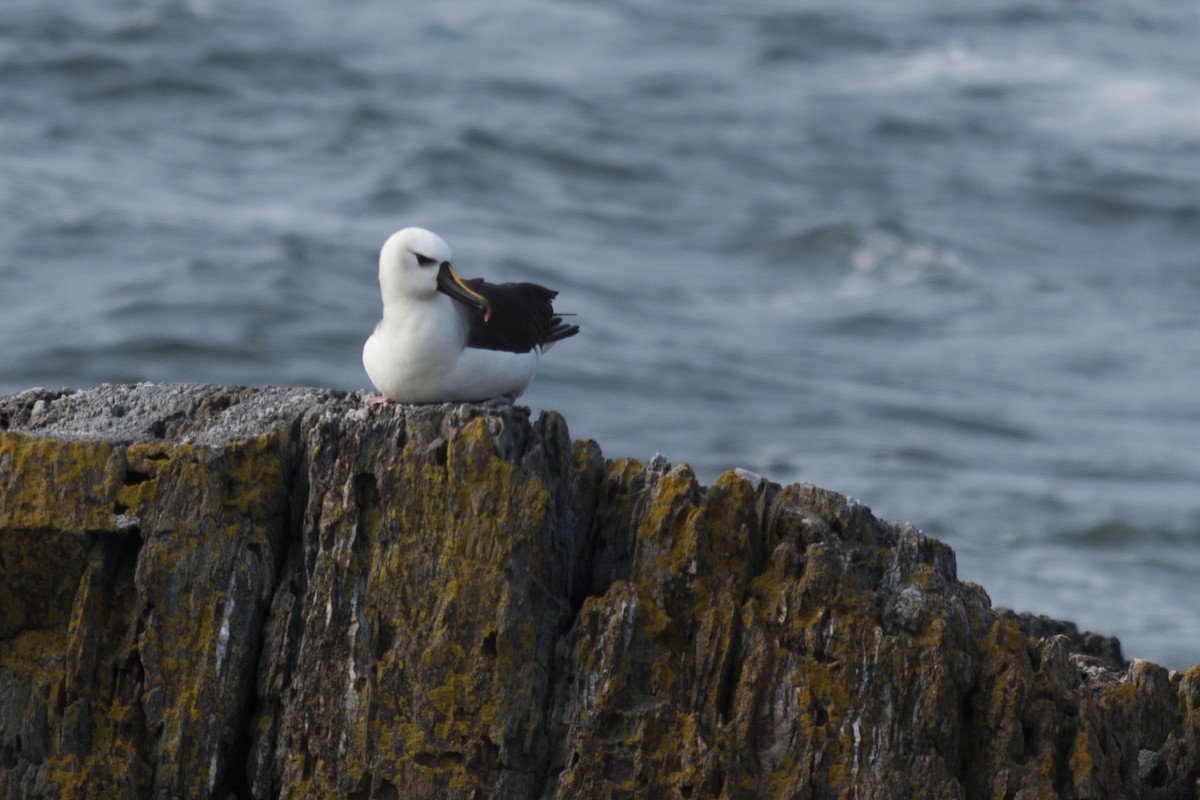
<point x="945" y="260"/>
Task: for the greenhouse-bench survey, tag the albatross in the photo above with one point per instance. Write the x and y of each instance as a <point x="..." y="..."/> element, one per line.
<point x="445" y="339"/>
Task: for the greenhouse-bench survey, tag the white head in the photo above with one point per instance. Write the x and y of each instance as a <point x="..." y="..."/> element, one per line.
<point x="409" y="263"/>
<point x="414" y="264"/>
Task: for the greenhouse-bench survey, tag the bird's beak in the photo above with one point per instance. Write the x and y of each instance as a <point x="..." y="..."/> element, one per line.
<point x="449" y="283"/>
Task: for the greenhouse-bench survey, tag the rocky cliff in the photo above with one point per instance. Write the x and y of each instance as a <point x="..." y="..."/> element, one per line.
<point x="211" y="591"/>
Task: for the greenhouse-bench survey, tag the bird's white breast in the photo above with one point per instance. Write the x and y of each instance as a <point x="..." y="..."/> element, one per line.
<point x="418" y="354"/>
<point x="413" y="347"/>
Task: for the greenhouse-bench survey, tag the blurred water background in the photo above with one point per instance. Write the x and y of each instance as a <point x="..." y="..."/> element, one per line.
<point x="941" y="257"/>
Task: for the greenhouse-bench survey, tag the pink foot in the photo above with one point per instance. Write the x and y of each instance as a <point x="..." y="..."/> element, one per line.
<point x="377" y="400"/>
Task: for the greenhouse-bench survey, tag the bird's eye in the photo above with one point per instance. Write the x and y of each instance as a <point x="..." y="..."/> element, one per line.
<point x="425" y="261"/>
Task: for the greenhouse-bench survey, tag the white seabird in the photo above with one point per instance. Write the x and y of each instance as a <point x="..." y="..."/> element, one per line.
<point x="444" y="339"/>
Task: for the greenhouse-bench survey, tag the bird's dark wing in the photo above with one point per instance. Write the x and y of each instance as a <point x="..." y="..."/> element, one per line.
<point x="522" y="316"/>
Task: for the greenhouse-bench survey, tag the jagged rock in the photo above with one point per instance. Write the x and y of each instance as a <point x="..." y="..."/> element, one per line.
<point x="212" y="591"/>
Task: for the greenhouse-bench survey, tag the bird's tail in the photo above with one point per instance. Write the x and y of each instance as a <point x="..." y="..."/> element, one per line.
<point x="559" y="330"/>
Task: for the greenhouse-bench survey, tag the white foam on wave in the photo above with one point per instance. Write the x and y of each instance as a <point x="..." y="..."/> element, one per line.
<point x="1156" y="111"/>
<point x="1078" y="95"/>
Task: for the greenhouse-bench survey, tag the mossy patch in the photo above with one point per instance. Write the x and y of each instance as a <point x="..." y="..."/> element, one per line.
<point x="56" y="484"/>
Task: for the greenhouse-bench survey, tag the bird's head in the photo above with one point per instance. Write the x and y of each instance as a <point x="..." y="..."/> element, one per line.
<point x="415" y="264"/>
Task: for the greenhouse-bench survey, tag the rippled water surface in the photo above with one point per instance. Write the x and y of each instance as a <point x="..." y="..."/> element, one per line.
<point x="946" y="261"/>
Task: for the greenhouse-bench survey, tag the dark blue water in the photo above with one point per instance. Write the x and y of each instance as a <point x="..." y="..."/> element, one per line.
<point x="946" y="261"/>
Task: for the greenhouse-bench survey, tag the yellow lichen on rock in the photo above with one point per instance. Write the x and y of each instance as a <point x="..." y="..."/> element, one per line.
<point x="56" y="484"/>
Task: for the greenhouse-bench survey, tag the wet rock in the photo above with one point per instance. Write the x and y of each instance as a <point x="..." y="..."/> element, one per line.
<point x="210" y="591"/>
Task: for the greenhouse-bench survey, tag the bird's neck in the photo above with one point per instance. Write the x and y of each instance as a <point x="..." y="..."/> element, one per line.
<point x="393" y="295"/>
<point x="421" y="317"/>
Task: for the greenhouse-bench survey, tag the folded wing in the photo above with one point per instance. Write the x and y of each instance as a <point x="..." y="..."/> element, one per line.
<point x="522" y="317"/>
